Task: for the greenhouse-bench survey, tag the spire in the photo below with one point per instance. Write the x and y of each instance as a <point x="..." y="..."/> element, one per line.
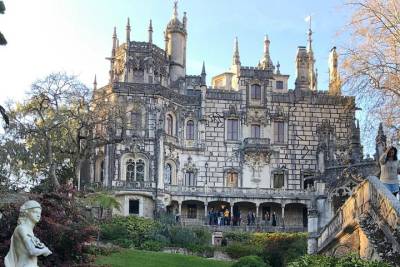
<point x="311" y="60"/>
<point x="175" y="14"/>
<point x="128" y="32"/>
<point x="150" y="32"/>
<point x="95" y="83"/>
<point x="203" y="74"/>
<point x="335" y="82"/>
<point x="266" y="62"/>
<point x="236" y="56"/>
<point x="114" y="38"/>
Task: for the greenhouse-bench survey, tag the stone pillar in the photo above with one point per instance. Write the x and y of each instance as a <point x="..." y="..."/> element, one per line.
<point x="312" y="242"/>
<point x="160" y="161"/>
<point x="206" y="213"/>
<point x="92" y="170"/>
<point x="283" y="214"/>
<point x="180" y="208"/>
<point x="257" y="218"/>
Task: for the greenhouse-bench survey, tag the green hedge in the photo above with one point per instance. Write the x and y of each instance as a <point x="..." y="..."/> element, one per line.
<point x="346" y="261"/>
<point x="250" y="261"/>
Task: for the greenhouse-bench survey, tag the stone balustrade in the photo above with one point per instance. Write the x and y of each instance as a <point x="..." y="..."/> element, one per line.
<point x="133" y="185"/>
<point x="370" y="198"/>
<point x="238" y="192"/>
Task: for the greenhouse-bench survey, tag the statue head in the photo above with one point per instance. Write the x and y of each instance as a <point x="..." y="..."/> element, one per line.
<point x="30" y="211"/>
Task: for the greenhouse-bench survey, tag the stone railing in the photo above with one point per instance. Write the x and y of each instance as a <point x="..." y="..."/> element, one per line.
<point x="237" y="191"/>
<point x="256" y="143"/>
<point x="372" y="198"/>
<point x="133" y="185"/>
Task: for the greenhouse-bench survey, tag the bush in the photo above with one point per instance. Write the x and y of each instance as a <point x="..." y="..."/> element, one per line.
<point x="250" y="261"/>
<point x="130" y="231"/>
<point x="63" y="228"/>
<point x="242" y="237"/>
<point x="152" y="245"/>
<point x="238" y="250"/>
<point x="346" y="261"/>
<point x="202" y="250"/>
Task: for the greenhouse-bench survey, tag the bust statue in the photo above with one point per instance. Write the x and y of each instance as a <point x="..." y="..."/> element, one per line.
<point x="25" y="247"/>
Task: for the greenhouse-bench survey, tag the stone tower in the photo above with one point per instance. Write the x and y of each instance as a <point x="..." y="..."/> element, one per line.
<point x="175" y="36"/>
<point x="266" y="62"/>
<point x="334" y="77"/>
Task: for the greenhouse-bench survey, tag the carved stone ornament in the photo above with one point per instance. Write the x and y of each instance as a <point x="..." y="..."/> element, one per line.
<point x="257" y="158"/>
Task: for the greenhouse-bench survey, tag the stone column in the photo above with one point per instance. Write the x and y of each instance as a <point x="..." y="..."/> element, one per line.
<point x="160" y="161"/>
<point x="283" y="215"/>
<point x="312" y="242"/>
<point x="257" y="218"/>
<point x="92" y="170"/>
<point x="206" y="213"/>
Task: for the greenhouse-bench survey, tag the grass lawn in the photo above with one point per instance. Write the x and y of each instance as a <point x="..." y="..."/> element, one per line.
<point x="140" y="258"/>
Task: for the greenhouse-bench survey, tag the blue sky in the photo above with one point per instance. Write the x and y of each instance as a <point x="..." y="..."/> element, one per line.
<point x="75" y="36"/>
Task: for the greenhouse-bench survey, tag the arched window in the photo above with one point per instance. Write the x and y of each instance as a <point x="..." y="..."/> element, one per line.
<point x="190" y="130"/>
<point x="130" y="170"/>
<point x="168" y="173"/>
<point x="135" y="170"/>
<point x="279" y="180"/>
<point x="140" y="170"/>
<point x="255" y="92"/>
<point x="232" y="179"/>
<point x="170" y="125"/>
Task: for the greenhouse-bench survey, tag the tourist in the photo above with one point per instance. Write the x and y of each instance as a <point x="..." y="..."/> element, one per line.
<point x="210" y="216"/>
<point x="267" y="218"/>
<point x="248" y="218"/>
<point x="390" y="169"/>
<point x="273" y="219"/>
<point x="253" y="218"/>
<point x="226" y="217"/>
<point x="238" y="218"/>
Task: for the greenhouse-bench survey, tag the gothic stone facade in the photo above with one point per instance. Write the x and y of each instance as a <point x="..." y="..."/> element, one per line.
<point x="245" y="143"/>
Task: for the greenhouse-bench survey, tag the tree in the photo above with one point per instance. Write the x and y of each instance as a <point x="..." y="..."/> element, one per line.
<point x="60" y="124"/>
<point x="372" y="60"/>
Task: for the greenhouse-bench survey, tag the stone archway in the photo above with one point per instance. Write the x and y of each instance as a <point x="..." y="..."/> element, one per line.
<point x="296" y="215"/>
<point x="267" y="211"/>
<point x="243" y="211"/>
<point x="192" y="212"/>
<point x="216" y="212"/>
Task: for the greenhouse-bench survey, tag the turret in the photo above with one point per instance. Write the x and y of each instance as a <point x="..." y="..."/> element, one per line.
<point x="356" y="148"/>
<point x="95" y="83"/>
<point x="334" y="77"/>
<point x="203" y="74"/>
<point x="380" y="142"/>
<point x="176" y="45"/>
<point x="266" y="62"/>
<point x="302" y="69"/>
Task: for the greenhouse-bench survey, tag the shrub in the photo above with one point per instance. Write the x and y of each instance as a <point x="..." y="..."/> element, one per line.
<point x="182" y="237"/>
<point x="130" y="231"/>
<point x="346" y="261"/>
<point x="202" y="250"/>
<point x="238" y="250"/>
<point x="242" y="237"/>
<point x="152" y="245"/>
<point x="250" y="261"/>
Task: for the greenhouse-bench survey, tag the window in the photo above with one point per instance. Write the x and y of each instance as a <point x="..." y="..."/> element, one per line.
<point x="255" y="92"/>
<point x="255" y="131"/>
<point x="192" y="211"/>
<point x="170" y="125"/>
<point x="168" y="174"/>
<point x="279" y="84"/>
<point x="190" y="130"/>
<point x="279" y="181"/>
<point x="135" y="170"/>
<point x="190" y="179"/>
<point x="279" y="132"/>
<point x="134" y="206"/>
<point x="130" y="170"/>
<point x="232" y="129"/>
<point x="232" y="179"/>
<point x="308" y="180"/>
<point x="136" y="119"/>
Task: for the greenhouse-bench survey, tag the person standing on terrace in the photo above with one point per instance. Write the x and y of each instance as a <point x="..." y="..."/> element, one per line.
<point x="390" y="169"/>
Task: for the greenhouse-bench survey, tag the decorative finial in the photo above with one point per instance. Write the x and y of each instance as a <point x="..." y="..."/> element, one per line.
<point x="184" y="20"/>
<point x="95" y="82"/>
<point x="278" y="71"/>
<point x="203" y="74"/>
<point x="128" y="32"/>
<point x="175" y="10"/>
<point x="150" y="32"/>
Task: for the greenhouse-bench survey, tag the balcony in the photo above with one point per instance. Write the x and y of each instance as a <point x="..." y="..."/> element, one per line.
<point x="133" y="185"/>
<point x="238" y="192"/>
<point x="256" y="144"/>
